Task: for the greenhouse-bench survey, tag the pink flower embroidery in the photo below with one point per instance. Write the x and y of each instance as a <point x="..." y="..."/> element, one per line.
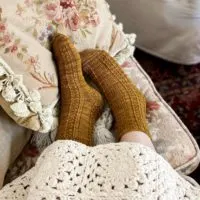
<point x="72" y="19"/>
<point x="152" y="105"/>
<point x="32" y="61"/>
<point x="126" y="64"/>
<point x="13" y="48"/>
<point x="6" y="39"/>
<point x="2" y="27"/>
<point x="67" y="3"/>
<point x="54" y="12"/>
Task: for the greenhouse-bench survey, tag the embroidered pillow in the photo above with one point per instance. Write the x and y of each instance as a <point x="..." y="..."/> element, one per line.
<point x="28" y="80"/>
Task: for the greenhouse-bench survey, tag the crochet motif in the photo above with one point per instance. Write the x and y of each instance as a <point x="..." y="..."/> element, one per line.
<point x="70" y="170"/>
<point x="24" y="103"/>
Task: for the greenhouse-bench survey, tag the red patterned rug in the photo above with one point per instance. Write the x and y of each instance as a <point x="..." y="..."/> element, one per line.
<point x="179" y="85"/>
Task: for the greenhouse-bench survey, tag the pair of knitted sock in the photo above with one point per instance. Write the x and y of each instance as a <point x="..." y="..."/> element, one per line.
<point x="81" y="104"/>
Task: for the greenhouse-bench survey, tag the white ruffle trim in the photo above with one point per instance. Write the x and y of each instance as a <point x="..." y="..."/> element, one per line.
<point x="25" y="103"/>
<point x="128" y="51"/>
<point x="129" y="41"/>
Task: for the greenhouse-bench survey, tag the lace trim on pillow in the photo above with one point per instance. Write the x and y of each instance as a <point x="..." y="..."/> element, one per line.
<point x="24" y="103"/>
<point x="129" y="41"/>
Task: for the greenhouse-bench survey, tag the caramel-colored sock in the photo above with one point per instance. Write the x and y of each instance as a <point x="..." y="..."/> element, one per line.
<point x="80" y="103"/>
<point x="126" y="101"/>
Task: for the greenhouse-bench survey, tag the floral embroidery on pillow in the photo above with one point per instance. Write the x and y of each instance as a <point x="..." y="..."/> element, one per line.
<point x="152" y="105"/>
<point x="25" y="103"/>
<point x="75" y="15"/>
<point x="11" y="44"/>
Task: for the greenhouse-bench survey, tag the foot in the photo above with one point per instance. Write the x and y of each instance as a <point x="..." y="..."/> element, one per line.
<point x="126" y="101"/>
<point x="80" y="104"/>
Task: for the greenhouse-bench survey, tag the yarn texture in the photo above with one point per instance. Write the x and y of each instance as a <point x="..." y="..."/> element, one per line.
<point x="81" y="105"/>
<point x="127" y="103"/>
<point x="70" y="170"/>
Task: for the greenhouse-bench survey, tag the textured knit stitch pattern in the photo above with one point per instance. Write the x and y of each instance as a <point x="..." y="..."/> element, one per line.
<point x="80" y="103"/>
<point x="68" y="170"/>
<point x="126" y="102"/>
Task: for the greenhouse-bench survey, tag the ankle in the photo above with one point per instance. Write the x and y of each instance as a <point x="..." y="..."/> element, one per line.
<point x="137" y="137"/>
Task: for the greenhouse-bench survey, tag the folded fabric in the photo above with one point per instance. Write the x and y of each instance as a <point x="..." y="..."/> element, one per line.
<point x="169" y="29"/>
<point x="70" y="170"/>
<point x="12" y="140"/>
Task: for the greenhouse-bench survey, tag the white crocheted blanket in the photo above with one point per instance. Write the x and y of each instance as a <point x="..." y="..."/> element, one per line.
<point x="70" y="170"/>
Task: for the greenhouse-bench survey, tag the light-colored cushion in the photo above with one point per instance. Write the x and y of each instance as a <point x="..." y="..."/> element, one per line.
<point x="12" y="140"/>
<point x="28" y="80"/>
<point x="169" y="29"/>
<point x="171" y="138"/>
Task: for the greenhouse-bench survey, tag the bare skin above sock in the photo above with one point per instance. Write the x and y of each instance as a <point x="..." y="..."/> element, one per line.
<point x="80" y="104"/>
<point x="126" y="101"/>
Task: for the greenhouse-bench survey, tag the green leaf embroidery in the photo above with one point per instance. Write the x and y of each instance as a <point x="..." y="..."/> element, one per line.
<point x="24" y="49"/>
<point x="28" y="29"/>
<point x="7" y="50"/>
<point x="20" y="56"/>
<point x="54" y="24"/>
<point x="35" y="33"/>
<point x="86" y="30"/>
<point x="38" y="1"/>
<point x="83" y="33"/>
<point x="17" y="41"/>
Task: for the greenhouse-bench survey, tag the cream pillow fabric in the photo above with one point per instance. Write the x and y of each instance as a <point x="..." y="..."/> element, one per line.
<point x="28" y="80"/>
<point x="170" y="136"/>
<point x="12" y="140"/>
<point x="169" y="29"/>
